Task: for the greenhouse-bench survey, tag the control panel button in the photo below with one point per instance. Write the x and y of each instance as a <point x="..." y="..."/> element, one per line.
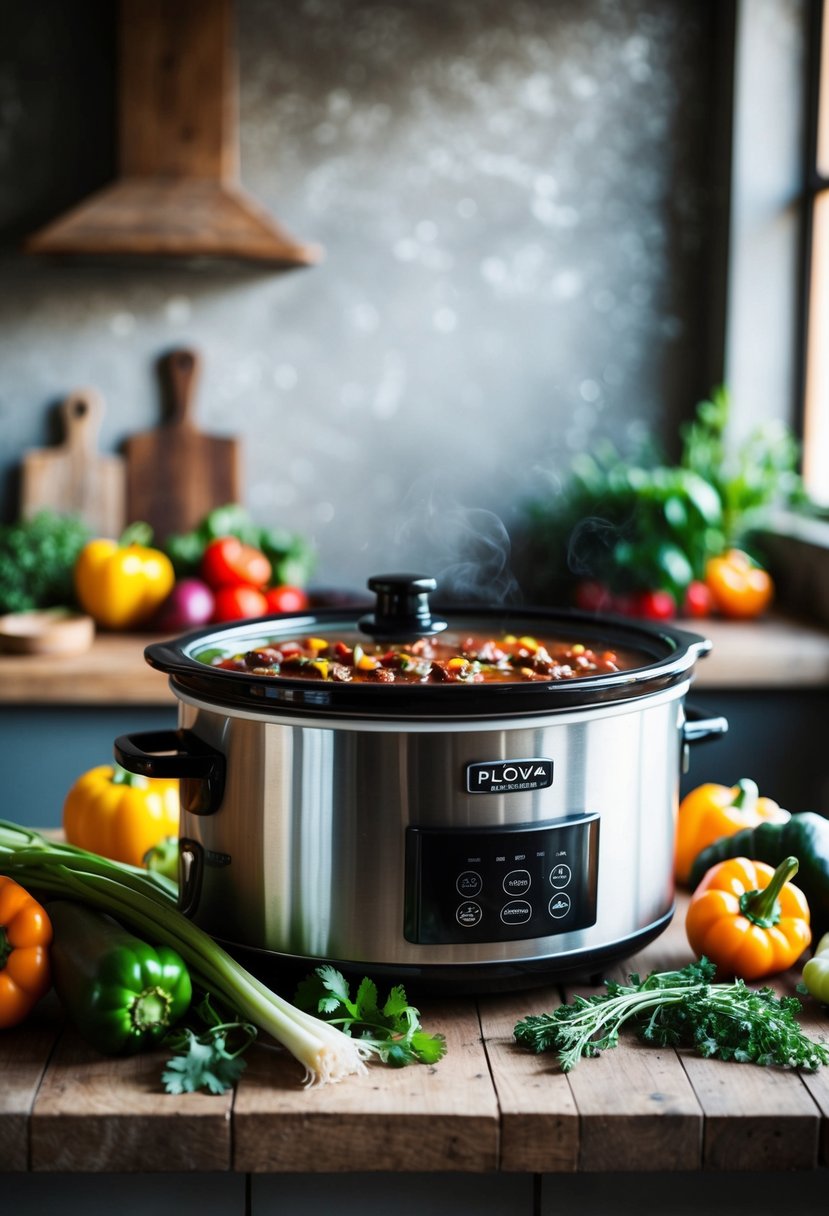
<point x="516" y="912"/>
<point x="501" y="883"/>
<point x="517" y="882"/>
<point x="469" y="914"/>
<point x="560" y="876"/>
<point x="469" y="883"/>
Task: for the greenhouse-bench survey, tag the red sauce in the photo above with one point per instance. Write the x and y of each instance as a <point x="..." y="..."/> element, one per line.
<point x="442" y="660"/>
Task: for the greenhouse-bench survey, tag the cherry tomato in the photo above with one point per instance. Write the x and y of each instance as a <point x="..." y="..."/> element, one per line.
<point x="236" y="603"/>
<point x="657" y="605"/>
<point x="228" y="562"/>
<point x="286" y="599"/>
<point x="698" y="600"/>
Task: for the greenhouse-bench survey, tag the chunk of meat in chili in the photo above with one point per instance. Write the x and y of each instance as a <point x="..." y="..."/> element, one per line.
<point x="455" y="671"/>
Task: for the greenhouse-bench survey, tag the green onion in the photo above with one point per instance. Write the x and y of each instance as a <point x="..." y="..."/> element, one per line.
<point x="147" y="902"/>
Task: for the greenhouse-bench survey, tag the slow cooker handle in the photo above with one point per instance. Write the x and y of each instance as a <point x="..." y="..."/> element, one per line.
<point x="177" y="754"/>
<point x="697" y="728"/>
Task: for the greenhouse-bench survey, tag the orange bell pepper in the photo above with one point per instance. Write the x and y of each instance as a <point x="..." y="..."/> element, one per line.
<point x="748" y="919"/>
<point x="711" y="811"/>
<point x="25" y="937"/>
<point x="739" y="587"/>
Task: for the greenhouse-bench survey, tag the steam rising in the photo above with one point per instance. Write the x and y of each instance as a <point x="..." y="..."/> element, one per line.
<point x="467" y="549"/>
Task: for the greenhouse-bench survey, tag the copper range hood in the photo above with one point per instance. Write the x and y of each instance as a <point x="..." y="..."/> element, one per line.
<point x="178" y="193"/>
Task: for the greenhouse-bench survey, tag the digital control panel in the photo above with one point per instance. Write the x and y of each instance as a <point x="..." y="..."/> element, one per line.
<point x="501" y="884"/>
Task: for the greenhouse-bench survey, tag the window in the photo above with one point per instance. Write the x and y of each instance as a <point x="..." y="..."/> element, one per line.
<point x="816" y="371"/>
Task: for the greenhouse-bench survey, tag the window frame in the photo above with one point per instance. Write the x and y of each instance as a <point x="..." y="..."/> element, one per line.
<point x="813" y="366"/>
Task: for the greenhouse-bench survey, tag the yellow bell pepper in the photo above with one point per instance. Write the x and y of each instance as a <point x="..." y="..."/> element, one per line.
<point x="711" y="811"/>
<point x="119" y="814"/>
<point x="121" y="584"/>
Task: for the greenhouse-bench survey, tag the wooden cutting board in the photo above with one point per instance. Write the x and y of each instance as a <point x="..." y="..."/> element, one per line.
<point x="74" y="478"/>
<point x="175" y="472"/>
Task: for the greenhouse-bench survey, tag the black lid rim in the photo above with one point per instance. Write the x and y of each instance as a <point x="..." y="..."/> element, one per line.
<point x="674" y="652"/>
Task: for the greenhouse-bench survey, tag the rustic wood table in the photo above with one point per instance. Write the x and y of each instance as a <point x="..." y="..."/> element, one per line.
<point x="488" y="1106"/>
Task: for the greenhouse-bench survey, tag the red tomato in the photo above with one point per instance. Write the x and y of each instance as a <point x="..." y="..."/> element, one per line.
<point x="657" y="605"/>
<point x="227" y="562"/>
<point x="286" y="599"/>
<point x="236" y="603"/>
<point x="698" y="599"/>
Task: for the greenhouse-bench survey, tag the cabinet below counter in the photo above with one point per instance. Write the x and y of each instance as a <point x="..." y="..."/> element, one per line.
<point x="776" y="652"/>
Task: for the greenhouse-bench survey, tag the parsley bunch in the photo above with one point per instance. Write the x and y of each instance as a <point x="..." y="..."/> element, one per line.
<point x="392" y="1032"/>
<point x="683" y="1008"/>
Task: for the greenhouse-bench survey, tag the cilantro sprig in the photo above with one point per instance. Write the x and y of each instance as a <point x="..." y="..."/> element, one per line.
<point x="208" y="1058"/>
<point x="392" y="1031"/>
<point x="726" y="1021"/>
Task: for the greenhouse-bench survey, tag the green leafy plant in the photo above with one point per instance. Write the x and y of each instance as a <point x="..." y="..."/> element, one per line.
<point x="634" y="523"/>
<point x="37" y="560"/>
<point x="683" y="1008"/>
<point x="393" y="1031"/>
<point x="750" y="478"/>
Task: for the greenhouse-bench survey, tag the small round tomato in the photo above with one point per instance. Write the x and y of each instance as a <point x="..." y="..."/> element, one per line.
<point x="228" y="562"/>
<point x="236" y="603"/>
<point x="657" y="605"/>
<point x="286" y="599"/>
<point x="698" y="600"/>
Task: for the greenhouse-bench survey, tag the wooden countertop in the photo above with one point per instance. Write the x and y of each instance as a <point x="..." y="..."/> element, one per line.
<point x="489" y="1105"/>
<point x="776" y="652"/>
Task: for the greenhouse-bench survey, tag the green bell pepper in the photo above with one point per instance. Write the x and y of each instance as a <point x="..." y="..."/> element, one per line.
<point x="816" y="971"/>
<point x="805" y="836"/>
<point x="120" y="993"/>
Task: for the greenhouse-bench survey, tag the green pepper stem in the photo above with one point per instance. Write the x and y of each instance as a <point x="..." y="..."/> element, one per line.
<point x="122" y="776"/>
<point x="747" y="795"/>
<point x="761" y="906"/>
<point x="151" y="1008"/>
<point x="137" y="533"/>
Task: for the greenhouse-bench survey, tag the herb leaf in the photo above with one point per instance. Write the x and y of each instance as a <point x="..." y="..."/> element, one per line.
<point x="393" y="1033"/>
<point x="679" y="1008"/>
<point x="206" y="1060"/>
<point x="204" y="1064"/>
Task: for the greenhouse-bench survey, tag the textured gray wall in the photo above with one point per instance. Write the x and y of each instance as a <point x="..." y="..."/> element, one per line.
<point x="515" y="202"/>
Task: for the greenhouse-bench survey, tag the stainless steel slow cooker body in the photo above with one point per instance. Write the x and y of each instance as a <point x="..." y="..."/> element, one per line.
<point x="472" y="838"/>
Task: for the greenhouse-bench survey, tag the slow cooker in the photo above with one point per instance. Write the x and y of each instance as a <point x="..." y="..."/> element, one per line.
<point x="474" y="800"/>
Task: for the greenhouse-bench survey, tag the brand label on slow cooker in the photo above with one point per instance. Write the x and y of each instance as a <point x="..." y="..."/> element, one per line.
<point x="507" y="776"/>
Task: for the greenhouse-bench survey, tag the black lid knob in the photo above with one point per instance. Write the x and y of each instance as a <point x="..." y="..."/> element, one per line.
<point x="402" y="609"/>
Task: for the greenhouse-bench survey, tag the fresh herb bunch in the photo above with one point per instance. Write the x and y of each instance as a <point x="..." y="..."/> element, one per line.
<point x="626" y="525"/>
<point x="683" y="1008"/>
<point x="209" y="1056"/>
<point x="37" y="560"/>
<point x="633" y="522"/>
<point x="750" y="478"/>
<point x="393" y="1032"/>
